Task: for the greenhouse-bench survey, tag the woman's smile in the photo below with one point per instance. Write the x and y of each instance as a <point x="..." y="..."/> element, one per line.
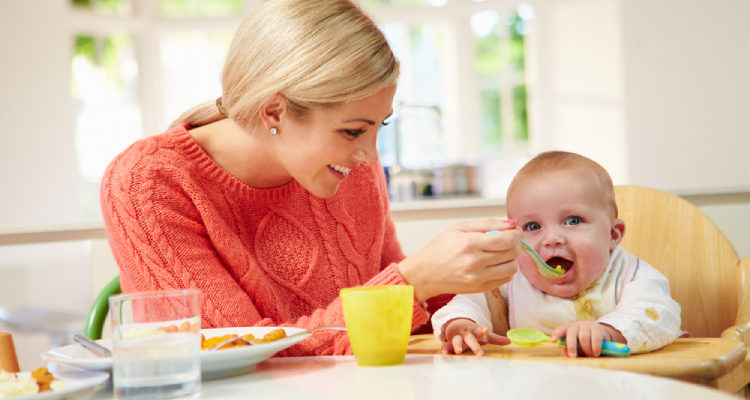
<point x="339" y="171"/>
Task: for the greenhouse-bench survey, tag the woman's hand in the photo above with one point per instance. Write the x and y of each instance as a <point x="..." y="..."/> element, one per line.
<point x="462" y="333"/>
<point x="464" y="259"/>
<point x="586" y="337"/>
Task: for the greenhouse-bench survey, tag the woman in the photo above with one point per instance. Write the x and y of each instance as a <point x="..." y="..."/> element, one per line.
<point x="272" y="199"/>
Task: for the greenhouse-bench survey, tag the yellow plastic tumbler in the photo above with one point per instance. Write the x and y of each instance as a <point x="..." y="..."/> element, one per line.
<point x="378" y="322"/>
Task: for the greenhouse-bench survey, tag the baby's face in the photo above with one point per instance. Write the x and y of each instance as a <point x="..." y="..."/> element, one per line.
<point x="566" y="220"/>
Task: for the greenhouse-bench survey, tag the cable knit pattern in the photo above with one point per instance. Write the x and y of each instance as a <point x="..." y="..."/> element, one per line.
<point x="261" y="257"/>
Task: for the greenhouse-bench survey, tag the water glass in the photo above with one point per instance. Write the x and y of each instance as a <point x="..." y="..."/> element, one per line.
<point x="378" y="322"/>
<point x="156" y="344"/>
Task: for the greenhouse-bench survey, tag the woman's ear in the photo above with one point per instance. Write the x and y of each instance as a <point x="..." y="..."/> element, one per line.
<point x="273" y="111"/>
<point x="616" y="234"/>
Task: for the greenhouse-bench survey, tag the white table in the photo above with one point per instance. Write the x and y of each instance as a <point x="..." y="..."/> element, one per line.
<point x="442" y="377"/>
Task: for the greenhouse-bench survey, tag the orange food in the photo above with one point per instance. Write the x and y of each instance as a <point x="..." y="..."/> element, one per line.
<point x="275" y="334"/>
<point x="43" y="378"/>
<point x="206" y="344"/>
<point x="184" y="327"/>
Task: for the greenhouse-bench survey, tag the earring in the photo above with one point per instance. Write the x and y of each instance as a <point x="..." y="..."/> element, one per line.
<point x="273" y="130"/>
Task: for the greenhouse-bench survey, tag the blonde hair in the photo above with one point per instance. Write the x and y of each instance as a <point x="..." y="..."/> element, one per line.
<point x="562" y="160"/>
<point x="315" y="52"/>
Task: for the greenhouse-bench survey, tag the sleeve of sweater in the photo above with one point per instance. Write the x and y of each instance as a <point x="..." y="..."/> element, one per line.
<point x="393" y="254"/>
<point x="646" y="315"/>
<point x="159" y="242"/>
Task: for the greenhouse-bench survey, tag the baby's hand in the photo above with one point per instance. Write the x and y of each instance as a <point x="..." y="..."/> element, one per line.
<point x="464" y="333"/>
<point x="586" y="337"/>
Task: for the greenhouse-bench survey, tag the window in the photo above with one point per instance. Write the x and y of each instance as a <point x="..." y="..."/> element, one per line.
<point x="461" y="100"/>
<point x="133" y="71"/>
<point x="500" y="67"/>
<point x="462" y="97"/>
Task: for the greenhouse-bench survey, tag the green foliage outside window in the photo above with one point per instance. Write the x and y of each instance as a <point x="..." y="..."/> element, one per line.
<point x="490" y="122"/>
<point x="200" y="8"/>
<point x="105" y="52"/>
<point x="167" y="8"/>
<point x="109" y="7"/>
<point x="500" y="64"/>
<point x="521" y="116"/>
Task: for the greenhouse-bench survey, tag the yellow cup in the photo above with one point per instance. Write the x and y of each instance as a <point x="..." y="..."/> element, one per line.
<point x="378" y="322"/>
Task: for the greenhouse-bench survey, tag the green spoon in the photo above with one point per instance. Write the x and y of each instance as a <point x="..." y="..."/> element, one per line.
<point x="542" y="266"/>
<point x="528" y="337"/>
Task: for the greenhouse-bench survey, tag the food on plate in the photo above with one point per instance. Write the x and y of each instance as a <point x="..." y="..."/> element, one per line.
<point x="25" y="383"/>
<point x="184" y="327"/>
<point x="275" y="334"/>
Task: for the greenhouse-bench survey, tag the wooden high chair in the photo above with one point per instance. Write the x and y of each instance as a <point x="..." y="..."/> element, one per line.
<point x="706" y="276"/>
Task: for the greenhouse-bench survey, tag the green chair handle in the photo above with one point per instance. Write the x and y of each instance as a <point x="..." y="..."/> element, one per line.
<point x="98" y="311"/>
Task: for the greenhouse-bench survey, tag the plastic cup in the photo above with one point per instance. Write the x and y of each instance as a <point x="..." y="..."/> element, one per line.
<point x="378" y="322"/>
<point x="156" y="344"/>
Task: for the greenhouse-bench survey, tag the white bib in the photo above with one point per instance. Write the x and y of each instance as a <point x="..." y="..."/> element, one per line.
<point x="549" y="312"/>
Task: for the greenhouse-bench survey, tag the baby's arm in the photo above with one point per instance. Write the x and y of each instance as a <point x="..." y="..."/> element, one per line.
<point x="646" y="315"/>
<point x="586" y="336"/>
<point x="464" y="323"/>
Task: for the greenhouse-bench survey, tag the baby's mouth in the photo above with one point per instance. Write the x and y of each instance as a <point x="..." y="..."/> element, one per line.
<point x="564" y="264"/>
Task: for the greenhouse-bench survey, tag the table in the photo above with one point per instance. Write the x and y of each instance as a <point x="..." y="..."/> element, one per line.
<point x="442" y="377"/>
<point x="715" y="362"/>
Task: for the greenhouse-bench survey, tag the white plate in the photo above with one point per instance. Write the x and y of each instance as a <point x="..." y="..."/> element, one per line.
<point x="81" y="384"/>
<point x="214" y="364"/>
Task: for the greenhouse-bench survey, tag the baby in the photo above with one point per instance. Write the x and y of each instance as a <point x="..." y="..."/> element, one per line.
<point x="565" y="205"/>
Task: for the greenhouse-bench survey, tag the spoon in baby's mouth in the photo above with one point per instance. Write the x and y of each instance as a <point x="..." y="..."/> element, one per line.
<point x="541" y="265"/>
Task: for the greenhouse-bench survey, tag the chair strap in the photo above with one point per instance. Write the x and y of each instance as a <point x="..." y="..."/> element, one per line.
<point x="498" y="311"/>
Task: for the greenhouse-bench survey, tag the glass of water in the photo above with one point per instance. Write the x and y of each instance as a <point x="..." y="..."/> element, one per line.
<point x="156" y="344"/>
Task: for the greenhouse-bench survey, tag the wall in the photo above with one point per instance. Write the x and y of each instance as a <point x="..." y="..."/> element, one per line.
<point x="654" y="91"/>
<point x="37" y="155"/>
<point x="686" y="92"/>
<point x="577" y="82"/>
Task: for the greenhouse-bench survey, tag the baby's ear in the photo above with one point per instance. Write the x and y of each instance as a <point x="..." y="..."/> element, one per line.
<point x="616" y="234"/>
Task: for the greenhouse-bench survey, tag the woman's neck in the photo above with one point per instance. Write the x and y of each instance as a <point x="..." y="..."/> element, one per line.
<point x="245" y="154"/>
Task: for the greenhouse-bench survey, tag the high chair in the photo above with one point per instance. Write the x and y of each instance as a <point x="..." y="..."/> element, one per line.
<point x="706" y="276"/>
<point x="99" y="309"/>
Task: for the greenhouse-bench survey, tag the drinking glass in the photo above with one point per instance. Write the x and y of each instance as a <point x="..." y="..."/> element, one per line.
<point x="156" y="344"/>
<point x="378" y="322"/>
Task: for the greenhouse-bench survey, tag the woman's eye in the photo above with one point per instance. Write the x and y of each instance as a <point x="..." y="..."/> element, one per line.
<point x="531" y="226"/>
<point x="574" y="220"/>
<point x="385" y="123"/>
<point x="354" y="133"/>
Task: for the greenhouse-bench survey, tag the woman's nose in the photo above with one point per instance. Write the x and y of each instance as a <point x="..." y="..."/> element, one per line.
<point x="367" y="155"/>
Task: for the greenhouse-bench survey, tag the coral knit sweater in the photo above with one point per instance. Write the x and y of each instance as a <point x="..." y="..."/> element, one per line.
<point x="261" y="257"/>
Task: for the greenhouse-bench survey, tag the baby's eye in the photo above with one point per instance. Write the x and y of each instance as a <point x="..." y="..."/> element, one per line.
<point x="531" y="226"/>
<point x="385" y="123"/>
<point x="574" y="220"/>
<point x="354" y="133"/>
